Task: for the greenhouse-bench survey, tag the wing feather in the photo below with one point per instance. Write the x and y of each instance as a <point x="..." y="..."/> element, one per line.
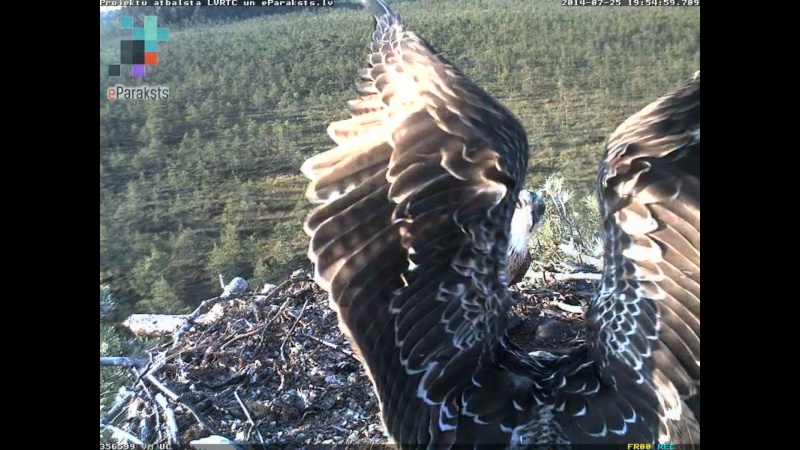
<point x="644" y="323"/>
<point x="411" y="231"/>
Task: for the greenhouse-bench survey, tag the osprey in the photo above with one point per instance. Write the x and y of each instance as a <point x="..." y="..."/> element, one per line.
<point x="525" y="222"/>
<point x="410" y="239"/>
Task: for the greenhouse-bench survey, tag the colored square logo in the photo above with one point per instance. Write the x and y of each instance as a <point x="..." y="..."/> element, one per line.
<point x="126" y="52"/>
<point x="126" y="22"/>
<point x="137" y="70"/>
<point x="141" y="49"/>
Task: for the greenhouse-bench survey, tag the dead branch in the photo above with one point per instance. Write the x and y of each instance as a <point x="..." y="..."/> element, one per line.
<point x="249" y="417"/>
<point x="123" y="361"/>
<point x="161" y="387"/>
<point x="154" y="324"/>
<point x="169" y="415"/>
<point x="175" y="397"/>
<point x="166" y="324"/>
<point x="151" y="397"/>
<point x="244" y="408"/>
<point x="576" y="309"/>
<point x="564" y="276"/>
<point x="289" y="334"/>
<point x="121" y="435"/>
<point x="204" y="307"/>
<point x="333" y="346"/>
<point x="264" y="328"/>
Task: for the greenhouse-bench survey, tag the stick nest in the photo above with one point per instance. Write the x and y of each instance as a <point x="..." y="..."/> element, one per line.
<point x="275" y="369"/>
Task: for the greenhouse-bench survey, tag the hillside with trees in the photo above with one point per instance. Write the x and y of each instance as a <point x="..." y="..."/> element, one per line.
<point x="208" y="181"/>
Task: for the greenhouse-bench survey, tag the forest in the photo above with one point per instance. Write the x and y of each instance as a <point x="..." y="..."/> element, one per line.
<point x="207" y="182"/>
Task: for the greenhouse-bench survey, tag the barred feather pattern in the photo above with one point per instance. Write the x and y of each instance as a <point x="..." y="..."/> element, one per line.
<point x="644" y="322"/>
<point x="526" y="221"/>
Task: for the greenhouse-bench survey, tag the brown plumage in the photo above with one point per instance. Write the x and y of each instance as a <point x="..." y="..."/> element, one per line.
<point x="526" y="221"/>
<point x="410" y="238"/>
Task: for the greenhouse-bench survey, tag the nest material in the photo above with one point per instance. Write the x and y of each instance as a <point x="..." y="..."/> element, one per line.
<point x="275" y="369"/>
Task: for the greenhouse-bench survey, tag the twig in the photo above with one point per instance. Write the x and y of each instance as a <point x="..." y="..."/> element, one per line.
<point x="244" y="408"/>
<point x="123" y="361"/>
<point x="120" y="434"/>
<point x="331" y="345"/>
<point x="561" y="208"/>
<point x="570" y="308"/>
<point x="162" y="388"/>
<point x="161" y="363"/>
<point x="150" y="395"/>
<point x="204" y="307"/>
<point x="271" y="294"/>
<point x="175" y="397"/>
<point x="240" y="337"/>
<point x="169" y="414"/>
<point x="249" y="417"/>
<point x="289" y="333"/>
<point x="201" y="309"/>
<point x="266" y="326"/>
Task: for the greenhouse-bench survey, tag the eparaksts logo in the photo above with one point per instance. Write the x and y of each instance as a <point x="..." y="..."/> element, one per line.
<point x="120" y="92"/>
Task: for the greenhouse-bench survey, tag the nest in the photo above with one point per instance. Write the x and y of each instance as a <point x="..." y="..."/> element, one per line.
<point x="276" y="370"/>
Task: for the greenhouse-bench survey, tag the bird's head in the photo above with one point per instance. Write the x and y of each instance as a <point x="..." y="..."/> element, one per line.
<point x="528" y="218"/>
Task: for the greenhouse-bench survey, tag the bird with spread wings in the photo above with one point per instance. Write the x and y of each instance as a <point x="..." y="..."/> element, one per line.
<point x="410" y="237"/>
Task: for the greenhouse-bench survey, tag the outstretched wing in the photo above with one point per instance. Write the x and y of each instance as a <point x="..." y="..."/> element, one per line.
<point x="410" y="238"/>
<point x="644" y="322"/>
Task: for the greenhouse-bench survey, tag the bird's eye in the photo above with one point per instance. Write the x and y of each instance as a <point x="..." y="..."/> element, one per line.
<point x="519" y="204"/>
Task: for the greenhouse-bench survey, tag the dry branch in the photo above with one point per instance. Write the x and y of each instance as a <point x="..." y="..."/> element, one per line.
<point x="155" y="324"/>
<point x="123" y="361"/>
<point x="175" y="397"/>
<point x="575" y="309"/>
<point x="249" y="416"/>
<point x="169" y="415"/>
<point x="121" y="435"/>
<point x="166" y="324"/>
<point x="564" y="276"/>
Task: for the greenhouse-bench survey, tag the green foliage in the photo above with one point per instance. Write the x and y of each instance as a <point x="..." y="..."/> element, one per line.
<point x="112" y="343"/>
<point x="108" y="305"/>
<point x="228" y="254"/>
<point x="572" y="222"/>
<point x="208" y="181"/>
<point x="163" y="299"/>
